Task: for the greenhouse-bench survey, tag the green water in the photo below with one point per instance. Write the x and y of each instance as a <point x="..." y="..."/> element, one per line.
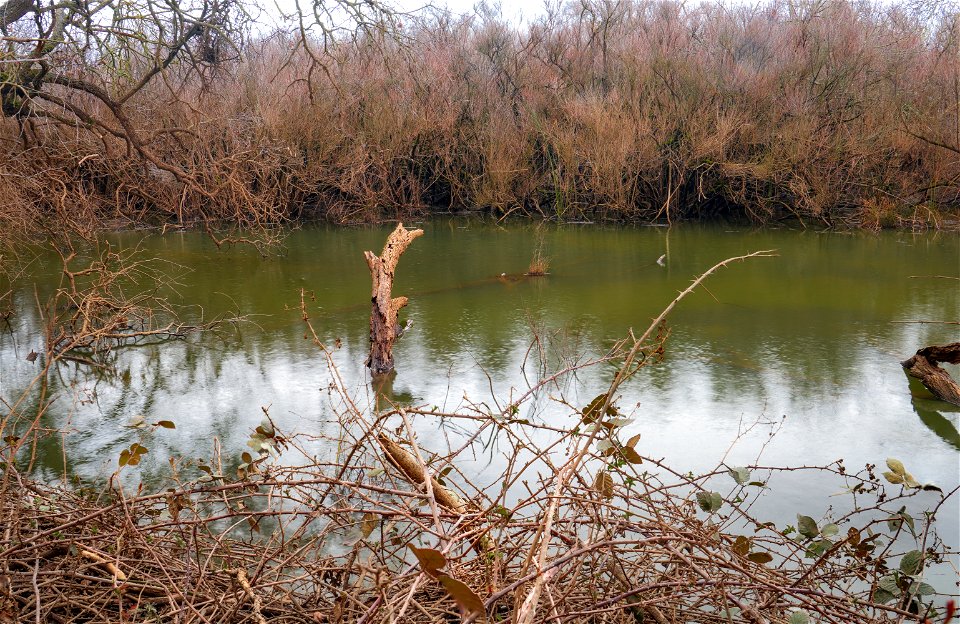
<point x="811" y="338"/>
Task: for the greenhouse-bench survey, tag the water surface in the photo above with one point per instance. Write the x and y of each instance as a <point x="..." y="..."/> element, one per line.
<point x="810" y="340"/>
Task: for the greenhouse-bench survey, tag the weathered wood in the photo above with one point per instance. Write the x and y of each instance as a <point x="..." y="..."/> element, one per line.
<point x="414" y="472"/>
<point x="385" y="309"/>
<point x="924" y="366"/>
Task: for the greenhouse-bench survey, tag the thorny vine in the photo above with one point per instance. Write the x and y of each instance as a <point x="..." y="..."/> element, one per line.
<point x="581" y="526"/>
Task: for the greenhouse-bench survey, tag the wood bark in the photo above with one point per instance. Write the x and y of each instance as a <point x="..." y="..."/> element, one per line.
<point x="414" y="472"/>
<point x="924" y="366"/>
<point x="12" y="10"/>
<point x="385" y="309"/>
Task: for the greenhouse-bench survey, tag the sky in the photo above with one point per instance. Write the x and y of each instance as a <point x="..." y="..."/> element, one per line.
<point x="522" y="9"/>
<point x="518" y="11"/>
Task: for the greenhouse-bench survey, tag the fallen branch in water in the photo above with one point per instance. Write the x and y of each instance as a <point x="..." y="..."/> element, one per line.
<point x="924" y="365"/>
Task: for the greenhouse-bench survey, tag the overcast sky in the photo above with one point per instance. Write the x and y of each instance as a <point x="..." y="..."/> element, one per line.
<point x="519" y="9"/>
<point x="516" y="10"/>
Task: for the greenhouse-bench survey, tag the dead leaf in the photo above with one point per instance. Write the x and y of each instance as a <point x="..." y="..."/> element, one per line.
<point x="368" y="524"/>
<point x="604" y="484"/>
<point x="465" y="597"/>
<point x="430" y="560"/>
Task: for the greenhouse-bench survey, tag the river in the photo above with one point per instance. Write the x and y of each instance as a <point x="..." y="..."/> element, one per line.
<point x="806" y="344"/>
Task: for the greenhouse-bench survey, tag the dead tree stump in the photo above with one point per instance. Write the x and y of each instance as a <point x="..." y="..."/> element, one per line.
<point x="924" y="366"/>
<point x="384" y="326"/>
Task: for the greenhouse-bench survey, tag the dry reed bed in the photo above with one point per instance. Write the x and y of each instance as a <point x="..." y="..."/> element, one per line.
<point x="829" y="112"/>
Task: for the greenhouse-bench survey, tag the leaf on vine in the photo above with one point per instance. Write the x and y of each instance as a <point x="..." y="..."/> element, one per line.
<point x="461" y="593"/>
<point x="896" y="466"/>
<point x="912" y="562"/>
<point x="603" y="483"/>
<point x="807" y="526"/>
<point x="709" y="501"/>
<point x="430" y="560"/>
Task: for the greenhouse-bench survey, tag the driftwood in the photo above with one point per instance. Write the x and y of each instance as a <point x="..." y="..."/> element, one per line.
<point x="385" y="309"/>
<point x="414" y="472"/>
<point x="924" y="366"/>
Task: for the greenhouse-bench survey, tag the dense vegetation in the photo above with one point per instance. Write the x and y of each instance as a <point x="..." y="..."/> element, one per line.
<point x="829" y="112"/>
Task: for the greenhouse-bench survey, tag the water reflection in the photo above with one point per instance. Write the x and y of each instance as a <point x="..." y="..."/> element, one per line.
<point x="814" y="336"/>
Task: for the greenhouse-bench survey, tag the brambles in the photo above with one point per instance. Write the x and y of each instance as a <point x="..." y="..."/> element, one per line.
<point x="588" y="531"/>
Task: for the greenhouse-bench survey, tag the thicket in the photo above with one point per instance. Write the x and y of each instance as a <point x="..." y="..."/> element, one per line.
<point x="828" y="112"/>
<point x="579" y="524"/>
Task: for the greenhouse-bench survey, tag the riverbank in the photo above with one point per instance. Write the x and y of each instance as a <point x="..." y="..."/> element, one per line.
<point x="831" y="114"/>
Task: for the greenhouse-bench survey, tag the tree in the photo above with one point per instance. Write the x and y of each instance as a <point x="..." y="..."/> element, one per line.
<point x="81" y="63"/>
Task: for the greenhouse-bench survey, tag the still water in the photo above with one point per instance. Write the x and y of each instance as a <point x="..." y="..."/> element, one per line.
<point x="809" y="340"/>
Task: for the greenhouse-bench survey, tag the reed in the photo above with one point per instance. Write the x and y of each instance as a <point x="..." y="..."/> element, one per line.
<point x="831" y="113"/>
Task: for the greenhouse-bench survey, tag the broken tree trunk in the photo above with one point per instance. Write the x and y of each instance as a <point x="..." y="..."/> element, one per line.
<point x="384" y="327"/>
<point x="924" y="366"/>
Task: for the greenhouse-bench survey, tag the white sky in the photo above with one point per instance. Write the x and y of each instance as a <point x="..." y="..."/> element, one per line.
<point x="520" y="10"/>
<point x="515" y="10"/>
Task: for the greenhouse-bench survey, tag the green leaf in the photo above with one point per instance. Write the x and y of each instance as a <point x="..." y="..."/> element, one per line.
<point x="893" y="477"/>
<point x="760" y="557"/>
<point x="799" y="617"/>
<point x="807" y="526"/>
<point x="908" y="519"/>
<point x="709" y="501"/>
<point x="897" y="466"/>
<point x="912" y="562"/>
<point x="922" y="589"/>
<point x="829" y="530"/>
<point x="818" y="547"/>
<point x="889" y="584"/>
<point x="505" y="513"/>
<point x="882" y="596"/>
<point x="740" y="475"/>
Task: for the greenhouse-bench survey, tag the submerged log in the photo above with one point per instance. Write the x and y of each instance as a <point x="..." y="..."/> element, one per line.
<point x="924" y="366"/>
<point x="385" y="309"/>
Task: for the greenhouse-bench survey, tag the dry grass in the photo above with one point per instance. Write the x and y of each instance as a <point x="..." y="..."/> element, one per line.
<point x="831" y="113"/>
<point x="539" y="263"/>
